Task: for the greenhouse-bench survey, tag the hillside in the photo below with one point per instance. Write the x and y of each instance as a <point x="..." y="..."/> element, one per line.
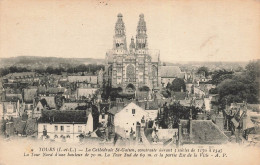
<point x="43" y="62"/>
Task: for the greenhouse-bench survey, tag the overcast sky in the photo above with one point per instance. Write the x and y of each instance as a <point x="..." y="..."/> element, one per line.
<point x="182" y="31"/>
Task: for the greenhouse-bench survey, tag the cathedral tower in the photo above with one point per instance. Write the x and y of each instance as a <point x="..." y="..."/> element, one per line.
<point x="141" y="37"/>
<point x="119" y="37"/>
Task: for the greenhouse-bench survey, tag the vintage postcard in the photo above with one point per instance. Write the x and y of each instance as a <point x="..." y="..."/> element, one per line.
<point x="129" y="82"/>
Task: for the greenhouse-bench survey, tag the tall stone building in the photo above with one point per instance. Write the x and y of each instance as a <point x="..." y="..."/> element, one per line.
<point x="138" y="66"/>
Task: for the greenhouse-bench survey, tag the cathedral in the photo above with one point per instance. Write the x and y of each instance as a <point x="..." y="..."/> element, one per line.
<point x="131" y="68"/>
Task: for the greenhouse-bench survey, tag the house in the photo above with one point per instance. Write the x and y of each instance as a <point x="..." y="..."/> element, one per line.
<point x="103" y="118"/>
<point x="169" y="73"/>
<point x="65" y="126"/>
<point x="29" y="95"/>
<point x="200" y="132"/>
<point x="86" y="92"/>
<point x="9" y="110"/>
<point x="152" y="108"/>
<point x="125" y="119"/>
<point x="69" y="106"/>
<point x="23" y="76"/>
<point x="50" y="101"/>
<point x="37" y="111"/>
<point x="10" y="106"/>
<point x="92" y="79"/>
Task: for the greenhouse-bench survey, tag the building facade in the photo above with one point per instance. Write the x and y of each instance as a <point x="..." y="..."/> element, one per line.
<point x="125" y="120"/>
<point x="138" y="66"/>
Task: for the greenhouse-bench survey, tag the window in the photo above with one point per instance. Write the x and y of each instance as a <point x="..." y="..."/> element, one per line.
<point x="79" y="128"/>
<point x="56" y="128"/>
<point x="68" y="129"/>
<point x="68" y="136"/>
<point x="133" y="111"/>
<point x="44" y="127"/>
<point x="38" y="108"/>
<point x="103" y="116"/>
<point x="61" y="128"/>
<point x="185" y="131"/>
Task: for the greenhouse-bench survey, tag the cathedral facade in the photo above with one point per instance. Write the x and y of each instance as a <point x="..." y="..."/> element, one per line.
<point x="133" y="67"/>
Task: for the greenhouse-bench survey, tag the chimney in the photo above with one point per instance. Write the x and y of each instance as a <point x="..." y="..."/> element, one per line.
<point x="98" y="106"/>
<point x="3" y="95"/>
<point x="138" y="128"/>
<point x="179" y="135"/>
<point x="220" y="121"/>
<point x="190" y="123"/>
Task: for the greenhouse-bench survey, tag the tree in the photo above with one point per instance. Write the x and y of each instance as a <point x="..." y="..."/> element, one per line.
<point x="144" y="88"/>
<point x="172" y="114"/>
<point x="241" y="87"/>
<point x="203" y="70"/>
<point x="253" y="70"/>
<point x="220" y="75"/>
<point x="177" y="85"/>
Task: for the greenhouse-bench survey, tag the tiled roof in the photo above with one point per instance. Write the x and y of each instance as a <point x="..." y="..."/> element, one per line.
<point x="55" y="90"/>
<point x="43" y="102"/>
<point x="170" y="71"/>
<point x="69" y="106"/>
<point x="56" y="116"/>
<point x="13" y="97"/>
<point x="41" y="90"/>
<point x="21" y="74"/>
<point x="19" y="125"/>
<point x="114" y="110"/>
<point x="29" y="95"/>
<point x="31" y="127"/>
<point x="50" y="101"/>
<point x="204" y="132"/>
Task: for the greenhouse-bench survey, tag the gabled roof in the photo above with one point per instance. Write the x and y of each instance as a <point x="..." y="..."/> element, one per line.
<point x="203" y="132"/>
<point x="50" y="101"/>
<point x="43" y="102"/>
<point x="132" y="105"/>
<point x="170" y="71"/>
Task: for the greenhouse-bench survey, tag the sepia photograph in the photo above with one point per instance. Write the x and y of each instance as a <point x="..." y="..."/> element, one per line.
<point x="129" y="82"/>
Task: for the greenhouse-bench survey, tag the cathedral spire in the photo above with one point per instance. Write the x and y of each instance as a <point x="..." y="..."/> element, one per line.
<point x="132" y="45"/>
<point x="141" y="37"/>
<point x="119" y="37"/>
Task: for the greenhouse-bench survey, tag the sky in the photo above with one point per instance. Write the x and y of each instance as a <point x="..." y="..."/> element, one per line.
<point x="182" y="30"/>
